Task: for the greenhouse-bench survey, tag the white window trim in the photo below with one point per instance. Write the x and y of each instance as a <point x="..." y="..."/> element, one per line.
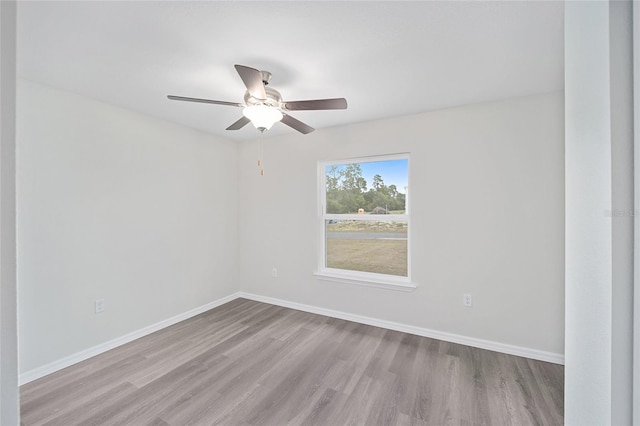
<point x="368" y="279"/>
<point x="342" y="276"/>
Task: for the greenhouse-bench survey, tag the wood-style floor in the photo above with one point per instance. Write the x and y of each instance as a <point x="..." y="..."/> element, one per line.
<point x="250" y="363"/>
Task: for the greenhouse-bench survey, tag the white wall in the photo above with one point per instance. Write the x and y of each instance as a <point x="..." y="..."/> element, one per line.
<point x="599" y="177"/>
<point x="621" y="76"/>
<point x="636" y="269"/>
<point x="116" y="205"/>
<point x="9" y="411"/>
<point x="157" y="219"/>
<point x="487" y="199"/>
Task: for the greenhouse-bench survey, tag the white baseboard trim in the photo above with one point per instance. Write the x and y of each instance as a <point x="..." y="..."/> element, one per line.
<point x="419" y="331"/>
<point x="67" y="361"/>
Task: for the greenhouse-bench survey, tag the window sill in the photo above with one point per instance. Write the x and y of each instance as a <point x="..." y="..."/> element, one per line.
<point x="366" y="281"/>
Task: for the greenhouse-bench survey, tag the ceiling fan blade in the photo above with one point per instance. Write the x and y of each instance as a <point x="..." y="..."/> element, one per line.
<point x="204" y="101"/>
<point x="296" y="124"/>
<point x="252" y="78"/>
<point x="317" y="104"/>
<point x="243" y="121"/>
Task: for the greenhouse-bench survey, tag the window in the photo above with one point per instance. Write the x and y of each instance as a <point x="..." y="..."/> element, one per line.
<point x="364" y="221"/>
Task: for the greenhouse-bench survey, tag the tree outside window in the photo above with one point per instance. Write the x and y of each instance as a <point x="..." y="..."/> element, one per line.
<point x="365" y="224"/>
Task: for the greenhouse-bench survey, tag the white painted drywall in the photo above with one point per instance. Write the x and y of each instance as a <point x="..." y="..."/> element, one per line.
<point x="636" y="149"/>
<point x="599" y="202"/>
<point x="487" y="200"/>
<point x="116" y="205"/>
<point x="621" y="76"/>
<point x="9" y="410"/>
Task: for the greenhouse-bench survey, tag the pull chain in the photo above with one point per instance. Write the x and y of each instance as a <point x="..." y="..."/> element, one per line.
<point x="261" y="153"/>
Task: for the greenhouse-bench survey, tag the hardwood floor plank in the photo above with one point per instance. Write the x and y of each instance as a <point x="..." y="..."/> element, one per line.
<point x="384" y="354"/>
<point x="296" y="387"/>
<point x="447" y="401"/>
<point x="93" y="406"/>
<point x="418" y="404"/>
<point x="384" y="410"/>
<point x="321" y="410"/>
<point x="78" y="391"/>
<point x="163" y="359"/>
<point x="147" y="400"/>
<point x="356" y="407"/>
<point x="345" y="375"/>
<point x="475" y="396"/>
<point x="250" y="363"/>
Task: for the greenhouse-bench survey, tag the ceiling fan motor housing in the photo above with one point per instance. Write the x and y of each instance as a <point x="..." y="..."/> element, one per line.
<point x="274" y="99"/>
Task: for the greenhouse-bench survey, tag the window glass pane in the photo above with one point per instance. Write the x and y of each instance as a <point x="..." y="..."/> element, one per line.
<point x="367" y="246"/>
<point x="372" y="187"/>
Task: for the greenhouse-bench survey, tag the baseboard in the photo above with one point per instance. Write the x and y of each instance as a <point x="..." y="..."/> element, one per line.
<point x="52" y="367"/>
<point x="419" y="331"/>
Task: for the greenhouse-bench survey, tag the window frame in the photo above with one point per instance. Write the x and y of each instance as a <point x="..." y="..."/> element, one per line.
<point x="371" y="279"/>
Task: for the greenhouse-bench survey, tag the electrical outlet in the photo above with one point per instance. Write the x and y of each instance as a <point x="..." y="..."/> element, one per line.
<point x="274" y="272"/>
<point x="99" y="304"/>
<point x="467" y="300"/>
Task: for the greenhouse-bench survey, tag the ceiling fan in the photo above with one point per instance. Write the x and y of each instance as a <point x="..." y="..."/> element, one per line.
<point x="263" y="106"/>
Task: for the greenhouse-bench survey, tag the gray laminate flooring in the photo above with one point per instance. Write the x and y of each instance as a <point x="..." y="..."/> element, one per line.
<point x="250" y="363"/>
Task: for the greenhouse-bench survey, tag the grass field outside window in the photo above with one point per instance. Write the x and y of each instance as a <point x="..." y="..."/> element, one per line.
<point x="365" y="222"/>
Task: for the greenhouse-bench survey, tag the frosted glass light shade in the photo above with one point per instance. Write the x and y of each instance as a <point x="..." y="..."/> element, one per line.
<point x="262" y="116"/>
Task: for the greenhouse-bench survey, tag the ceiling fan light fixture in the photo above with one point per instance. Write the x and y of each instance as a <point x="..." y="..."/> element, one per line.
<point x="262" y="116"/>
<point x="263" y="106"/>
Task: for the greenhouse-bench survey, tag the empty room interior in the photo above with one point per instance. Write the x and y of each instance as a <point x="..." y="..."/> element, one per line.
<point x="269" y="213"/>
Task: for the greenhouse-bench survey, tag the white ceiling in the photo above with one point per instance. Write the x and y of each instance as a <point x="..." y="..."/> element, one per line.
<point x="386" y="58"/>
